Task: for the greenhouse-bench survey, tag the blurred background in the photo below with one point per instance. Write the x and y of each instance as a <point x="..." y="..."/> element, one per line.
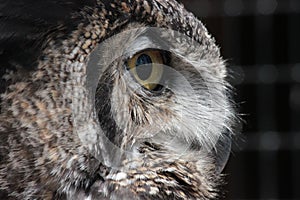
<point x="261" y="41"/>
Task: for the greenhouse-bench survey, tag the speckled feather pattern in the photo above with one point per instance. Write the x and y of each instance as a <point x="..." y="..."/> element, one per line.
<point x="43" y="158"/>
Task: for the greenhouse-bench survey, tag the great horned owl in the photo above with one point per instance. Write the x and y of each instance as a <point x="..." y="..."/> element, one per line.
<point x="106" y="99"/>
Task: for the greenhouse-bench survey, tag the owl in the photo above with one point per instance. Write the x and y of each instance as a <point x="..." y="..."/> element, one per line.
<point x="111" y="100"/>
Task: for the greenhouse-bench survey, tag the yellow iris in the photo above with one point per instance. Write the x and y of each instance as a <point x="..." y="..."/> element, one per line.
<point x="146" y="68"/>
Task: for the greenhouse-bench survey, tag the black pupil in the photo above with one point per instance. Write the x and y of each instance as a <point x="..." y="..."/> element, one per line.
<point x="144" y="67"/>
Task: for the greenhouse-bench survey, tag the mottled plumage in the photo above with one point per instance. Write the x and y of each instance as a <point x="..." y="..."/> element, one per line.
<point x="165" y="146"/>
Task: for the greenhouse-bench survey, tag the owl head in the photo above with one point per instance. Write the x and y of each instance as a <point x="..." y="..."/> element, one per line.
<point x="128" y="99"/>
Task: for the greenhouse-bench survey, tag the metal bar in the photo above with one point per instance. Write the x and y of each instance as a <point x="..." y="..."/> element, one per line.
<point x="265" y="105"/>
<point x="293" y="52"/>
<point x="265" y="74"/>
<point x="237" y="8"/>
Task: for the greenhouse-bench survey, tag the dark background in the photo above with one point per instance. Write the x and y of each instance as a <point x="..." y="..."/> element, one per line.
<point x="261" y="41"/>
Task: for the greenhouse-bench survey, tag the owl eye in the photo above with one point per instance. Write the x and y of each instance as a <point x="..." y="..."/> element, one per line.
<point x="146" y="67"/>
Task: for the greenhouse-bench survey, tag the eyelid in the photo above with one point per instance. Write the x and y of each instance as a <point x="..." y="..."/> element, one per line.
<point x="140" y="44"/>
